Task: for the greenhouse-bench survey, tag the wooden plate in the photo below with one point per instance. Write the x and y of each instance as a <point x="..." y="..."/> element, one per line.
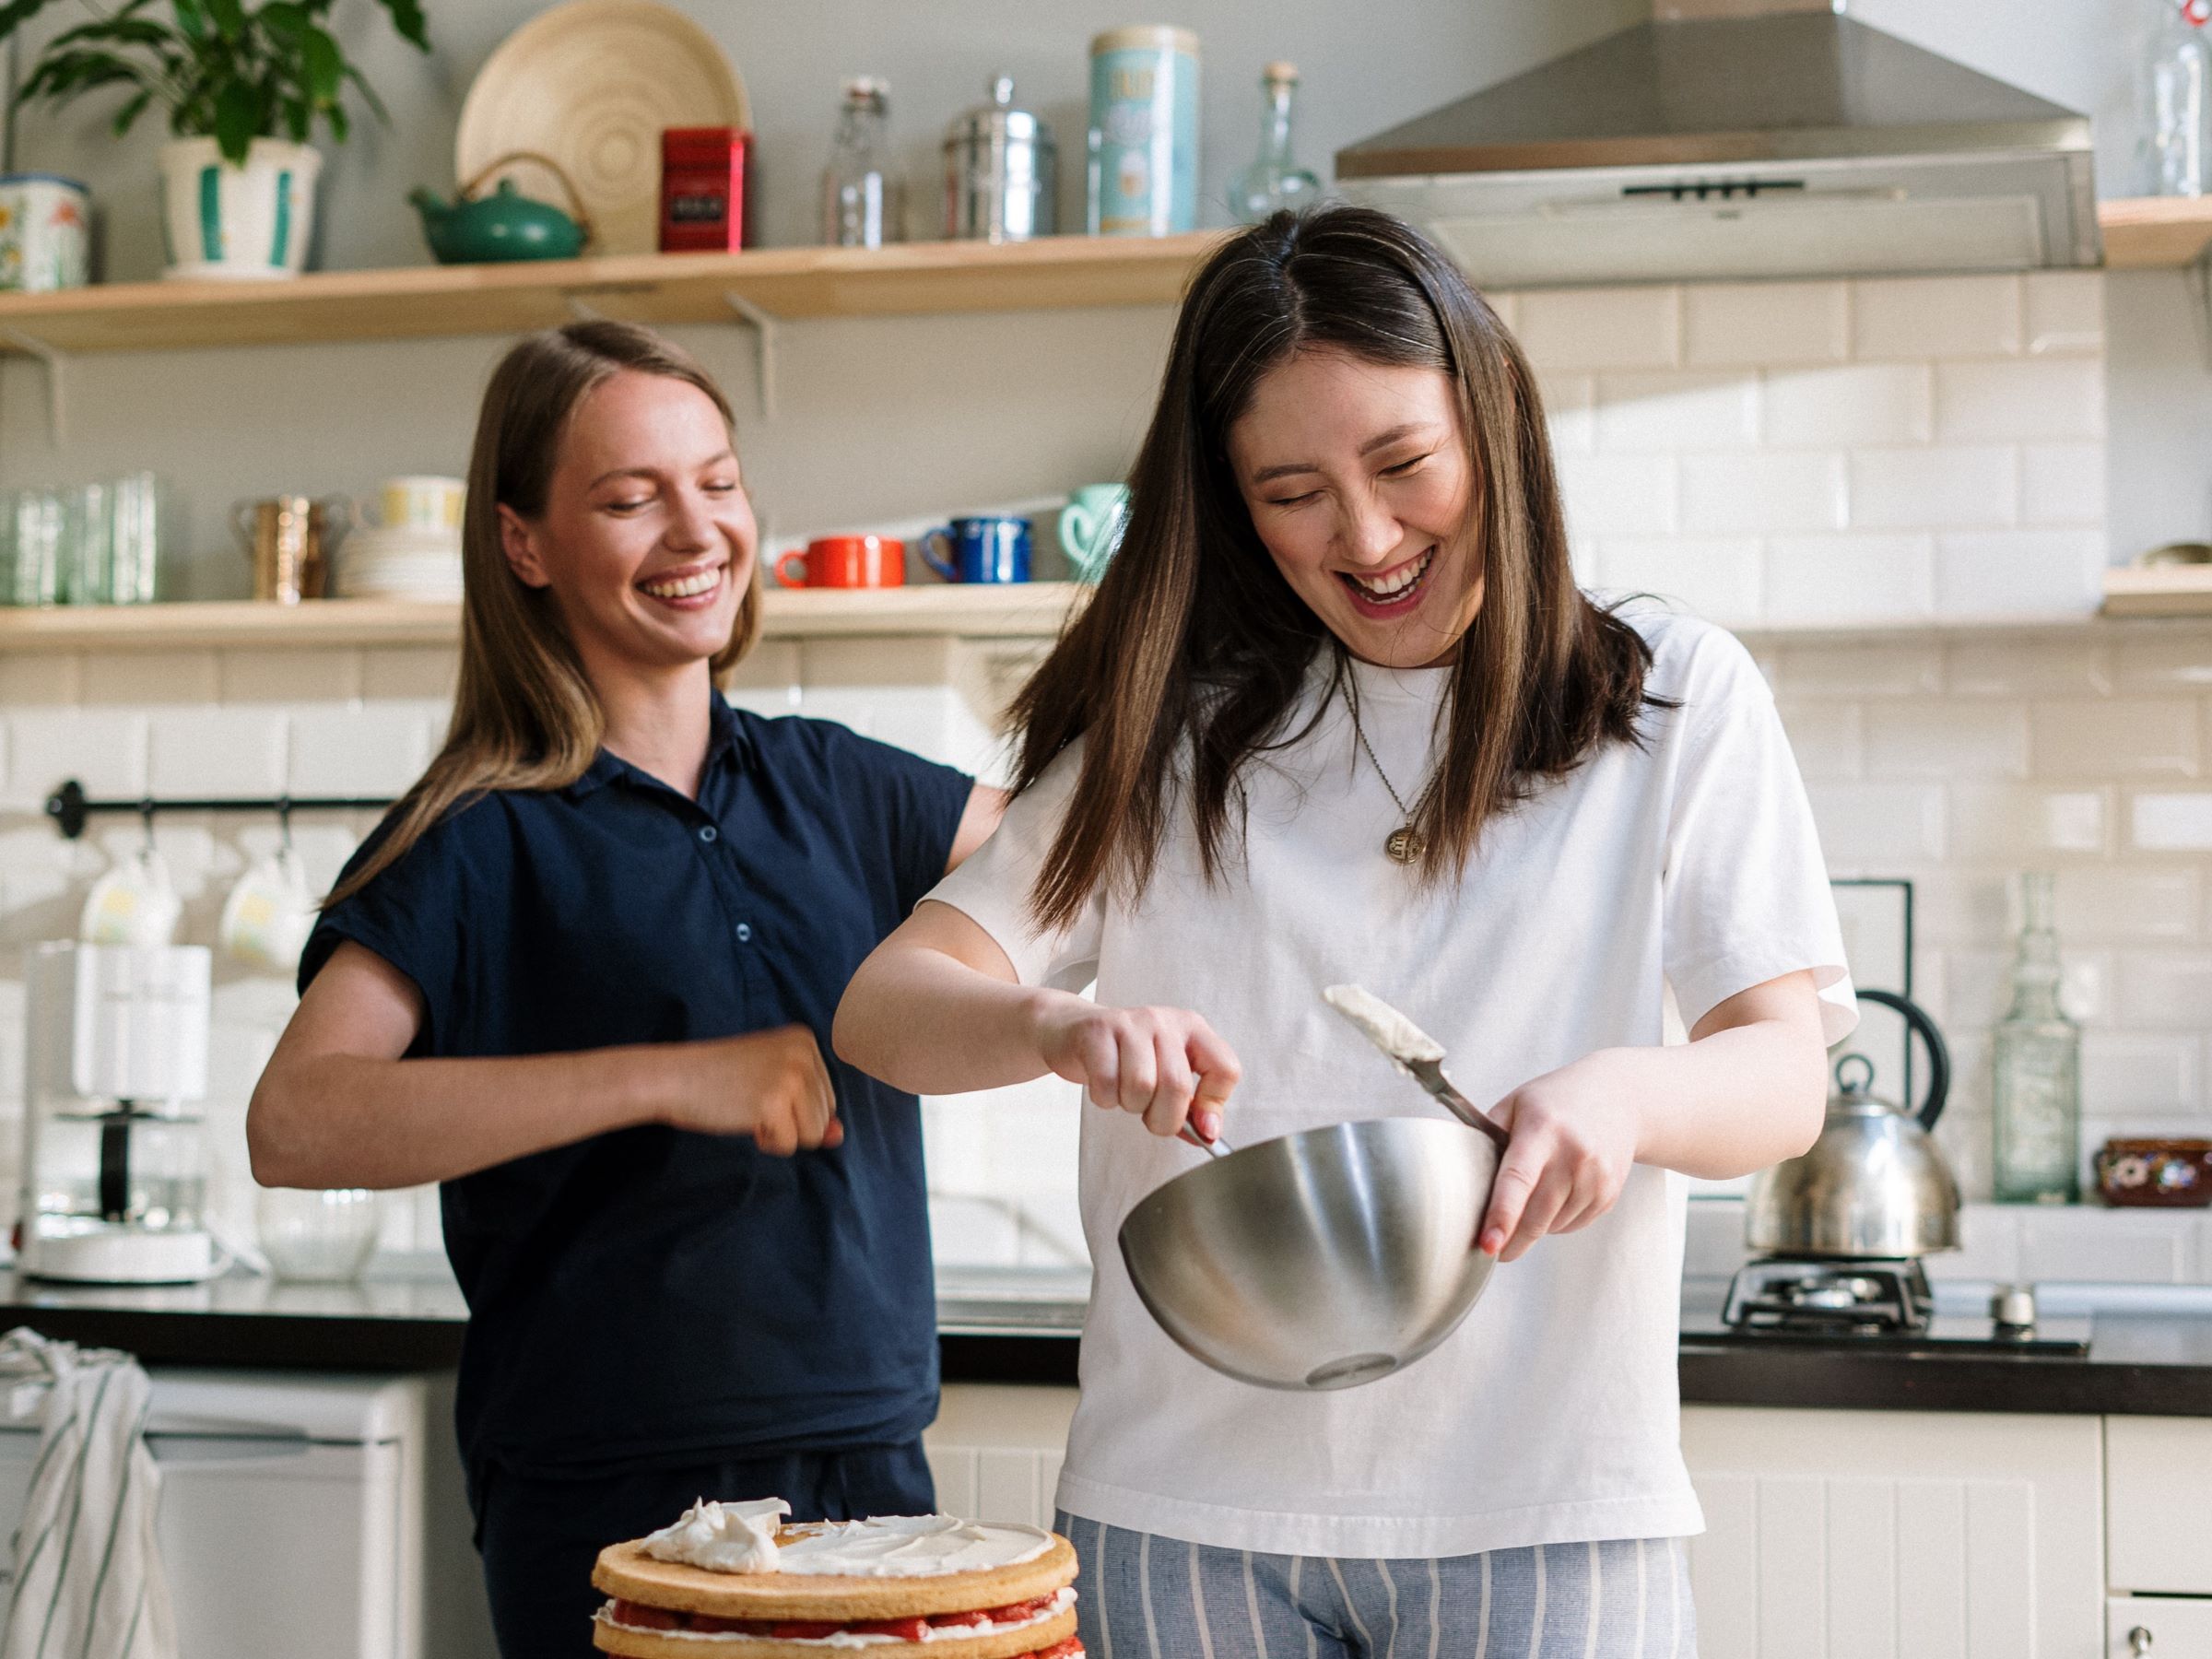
<point x="591" y="84"/>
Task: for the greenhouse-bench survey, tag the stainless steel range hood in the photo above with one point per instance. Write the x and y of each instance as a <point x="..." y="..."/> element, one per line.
<point x="1735" y="139"/>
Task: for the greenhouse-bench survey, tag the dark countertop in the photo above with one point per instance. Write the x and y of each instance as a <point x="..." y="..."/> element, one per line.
<point x="1019" y="1326"/>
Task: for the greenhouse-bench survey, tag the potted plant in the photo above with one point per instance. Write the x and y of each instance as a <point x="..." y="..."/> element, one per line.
<point x="243" y="89"/>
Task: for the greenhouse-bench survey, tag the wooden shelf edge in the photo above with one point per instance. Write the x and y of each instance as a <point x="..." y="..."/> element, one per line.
<point x="1028" y="610"/>
<point x="2151" y="233"/>
<point x="2158" y="591"/>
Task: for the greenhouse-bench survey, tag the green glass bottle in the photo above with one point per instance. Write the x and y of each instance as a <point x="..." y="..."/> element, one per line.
<point x="1275" y="179"/>
<point x="2038" y="1096"/>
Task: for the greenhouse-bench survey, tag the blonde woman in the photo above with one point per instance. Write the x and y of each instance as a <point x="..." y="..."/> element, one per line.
<point x="583" y="975"/>
<point x="1339" y="712"/>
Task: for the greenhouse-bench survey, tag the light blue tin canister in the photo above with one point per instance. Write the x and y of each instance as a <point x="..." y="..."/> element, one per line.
<point x="1144" y="131"/>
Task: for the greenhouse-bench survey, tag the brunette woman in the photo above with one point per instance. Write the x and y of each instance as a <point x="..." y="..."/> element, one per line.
<point x="1338" y="713"/>
<point x="582" y="975"/>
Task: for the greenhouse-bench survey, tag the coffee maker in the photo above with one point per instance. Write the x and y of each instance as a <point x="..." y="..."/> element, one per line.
<point x="116" y="1057"/>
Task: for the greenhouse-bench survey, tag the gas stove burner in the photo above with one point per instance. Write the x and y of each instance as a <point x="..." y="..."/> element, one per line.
<point x="1777" y="1294"/>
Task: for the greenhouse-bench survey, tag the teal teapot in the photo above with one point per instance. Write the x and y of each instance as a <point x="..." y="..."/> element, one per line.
<point x="505" y="225"/>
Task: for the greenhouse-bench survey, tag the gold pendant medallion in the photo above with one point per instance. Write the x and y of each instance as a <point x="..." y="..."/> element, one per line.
<point x="1406" y="844"/>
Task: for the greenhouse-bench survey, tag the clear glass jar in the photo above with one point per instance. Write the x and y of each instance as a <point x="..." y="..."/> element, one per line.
<point x="317" y="1237"/>
<point x="1274" y="181"/>
<point x="2038" y="1085"/>
<point x="2177" y="99"/>
<point x="863" y="200"/>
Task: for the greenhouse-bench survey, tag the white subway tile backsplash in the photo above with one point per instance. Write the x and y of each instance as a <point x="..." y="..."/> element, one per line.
<point x="2115" y="902"/>
<point x="1762" y="494"/>
<point x="1564" y="329"/>
<point x="1570" y="411"/>
<point x="374" y="752"/>
<point x="1934" y="317"/>
<point x="2062" y="484"/>
<point x="2133" y="1073"/>
<point x="424" y="674"/>
<point x="202" y="750"/>
<point x="1718" y="580"/>
<point x="2165" y="987"/>
<point x="1873" y="828"/>
<point x="2104" y="1245"/>
<point x="2065" y="311"/>
<point x="1844" y="581"/>
<point x="2180" y="821"/>
<point x="135" y="678"/>
<point x="1676" y="410"/>
<point x="2024" y="398"/>
<point x="1935" y="487"/>
<point x="2118" y="737"/>
<point x="1859" y="670"/>
<point x="1854" y="403"/>
<point x="1618" y="495"/>
<point x="1744" y="324"/>
<point x="2027" y="666"/>
<point x="1947" y="739"/>
<point x="1827" y="740"/>
<point x="41" y="680"/>
<point x="105" y="749"/>
<point x="2155" y="656"/>
<point x="263" y="675"/>
<point x="1989" y="574"/>
<point x="1995" y="822"/>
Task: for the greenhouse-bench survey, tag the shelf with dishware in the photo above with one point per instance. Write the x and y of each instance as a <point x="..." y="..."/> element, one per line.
<point x="2162" y="590"/>
<point x="421" y="301"/>
<point x="983" y="610"/>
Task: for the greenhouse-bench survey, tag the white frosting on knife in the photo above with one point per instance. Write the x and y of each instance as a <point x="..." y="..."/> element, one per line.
<point x="722" y="1538"/>
<point x="1383" y="1025"/>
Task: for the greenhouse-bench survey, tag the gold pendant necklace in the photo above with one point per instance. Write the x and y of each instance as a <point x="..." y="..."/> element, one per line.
<point x="1406" y="844"/>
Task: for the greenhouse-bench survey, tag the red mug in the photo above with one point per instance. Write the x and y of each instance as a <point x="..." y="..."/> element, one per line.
<point x="846" y="561"/>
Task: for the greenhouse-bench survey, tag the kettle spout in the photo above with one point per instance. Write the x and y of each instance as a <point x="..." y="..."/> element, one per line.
<point x="435" y="210"/>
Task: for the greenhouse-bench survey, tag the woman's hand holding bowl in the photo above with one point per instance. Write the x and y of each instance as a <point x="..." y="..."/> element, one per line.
<point x="1574" y="1139"/>
<point x="1165" y="1065"/>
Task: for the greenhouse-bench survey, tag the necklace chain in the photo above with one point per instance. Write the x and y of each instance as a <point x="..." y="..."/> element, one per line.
<point x="1406" y="844"/>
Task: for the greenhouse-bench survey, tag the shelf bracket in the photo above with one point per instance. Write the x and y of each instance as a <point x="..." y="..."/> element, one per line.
<point x="53" y="361"/>
<point x="764" y="346"/>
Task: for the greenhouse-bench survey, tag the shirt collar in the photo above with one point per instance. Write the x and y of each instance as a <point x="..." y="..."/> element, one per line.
<point x="727" y="745"/>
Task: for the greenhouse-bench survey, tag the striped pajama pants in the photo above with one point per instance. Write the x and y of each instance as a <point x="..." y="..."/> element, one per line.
<point x="1142" y="1596"/>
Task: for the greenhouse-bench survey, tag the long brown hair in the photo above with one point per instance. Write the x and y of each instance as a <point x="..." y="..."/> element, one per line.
<point x="1194" y="652"/>
<point x="526" y="715"/>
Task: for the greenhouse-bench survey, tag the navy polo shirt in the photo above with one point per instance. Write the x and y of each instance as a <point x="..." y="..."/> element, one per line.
<point x="650" y="1295"/>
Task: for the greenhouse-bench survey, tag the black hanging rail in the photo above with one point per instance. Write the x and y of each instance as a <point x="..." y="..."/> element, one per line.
<point x="70" y="807"/>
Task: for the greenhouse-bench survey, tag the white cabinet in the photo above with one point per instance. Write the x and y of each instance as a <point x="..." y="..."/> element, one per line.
<point x="1880" y="1535"/>
<point x="2158" y="1484"/>
<point x="2158" y="1626"/>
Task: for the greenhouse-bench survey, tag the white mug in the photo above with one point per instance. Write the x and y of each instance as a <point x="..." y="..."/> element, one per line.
<point x="269" y="913"/>
<point x="134" y="903"/>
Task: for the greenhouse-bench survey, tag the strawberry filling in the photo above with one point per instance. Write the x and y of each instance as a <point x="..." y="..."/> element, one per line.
<point x="639" y="1617"/>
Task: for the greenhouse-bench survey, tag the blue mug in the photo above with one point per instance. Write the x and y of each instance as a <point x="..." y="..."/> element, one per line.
<point x="993" y="548"/>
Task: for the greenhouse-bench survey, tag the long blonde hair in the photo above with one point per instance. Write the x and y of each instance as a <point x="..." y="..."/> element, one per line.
<point x="526" y="715"/>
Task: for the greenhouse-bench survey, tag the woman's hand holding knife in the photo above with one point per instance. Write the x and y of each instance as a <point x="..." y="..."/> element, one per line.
<point x="1164" y="1064"/>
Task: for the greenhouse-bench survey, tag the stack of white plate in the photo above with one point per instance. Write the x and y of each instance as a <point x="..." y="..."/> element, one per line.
<point x="400" y="562"/>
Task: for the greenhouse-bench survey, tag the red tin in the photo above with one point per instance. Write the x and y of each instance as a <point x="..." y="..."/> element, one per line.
<point x="702" y="189"/>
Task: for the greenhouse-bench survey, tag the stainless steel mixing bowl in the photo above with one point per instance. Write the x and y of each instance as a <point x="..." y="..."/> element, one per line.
<point x="1319" y="1260"/>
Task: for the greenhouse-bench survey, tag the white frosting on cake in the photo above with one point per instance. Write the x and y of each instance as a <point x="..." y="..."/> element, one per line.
<point x="722" y="1538"/>
<point x="1061" y="1602"/>
<point x="908" y="1546"/>
<point x="1383" y="1025"/>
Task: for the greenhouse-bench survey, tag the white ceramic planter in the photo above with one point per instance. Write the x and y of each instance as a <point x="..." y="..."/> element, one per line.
<point x="223" y="221"/>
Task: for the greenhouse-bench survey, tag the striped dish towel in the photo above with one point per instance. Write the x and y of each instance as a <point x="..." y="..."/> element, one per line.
<point x="88" y="1582"/>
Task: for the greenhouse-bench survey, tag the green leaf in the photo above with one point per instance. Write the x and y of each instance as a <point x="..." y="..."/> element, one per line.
<point x="192" y="19"/>
<point x="368" y="92"/>
<point x="339" y="126"/>
<point x="228" y="17"/>
<point x="127" y="117"/>
<point x="132" y="31"/>
<point x="299" y="116"/>
<point x="407" y="17"/>
<point x="284" y="20"/>
<point x="323" y="66"/>
<point x="239" y="119"/>
<point x="14" y="14"/>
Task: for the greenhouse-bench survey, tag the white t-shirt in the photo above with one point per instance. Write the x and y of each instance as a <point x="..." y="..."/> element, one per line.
<point x="1550" y="1416"/>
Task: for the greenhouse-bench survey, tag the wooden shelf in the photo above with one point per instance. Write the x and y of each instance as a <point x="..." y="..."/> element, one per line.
<point x="2158" y="591"/>
<point x="418" y="301"/>
<point x="2146" y="232"/>
<point x="1028" y="610"/>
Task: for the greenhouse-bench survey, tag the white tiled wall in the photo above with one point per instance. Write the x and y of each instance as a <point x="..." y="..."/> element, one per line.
<point x="1826" y="454"/>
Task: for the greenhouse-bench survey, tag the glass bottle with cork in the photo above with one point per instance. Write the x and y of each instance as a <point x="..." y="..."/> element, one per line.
<point x="2038" y="1094"/>
<point x="863" y="200"/>
<point x="1274" y="181"/>
<point x="2176" y="93"/>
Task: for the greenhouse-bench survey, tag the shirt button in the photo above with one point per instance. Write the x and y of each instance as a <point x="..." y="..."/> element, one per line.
<point x="707" y="832"/>
<point x="744" y="931"/>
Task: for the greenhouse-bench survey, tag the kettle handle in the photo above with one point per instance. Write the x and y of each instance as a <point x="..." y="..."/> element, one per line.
<point x="1939" y="1055"/>
<point x="467" y="193"/>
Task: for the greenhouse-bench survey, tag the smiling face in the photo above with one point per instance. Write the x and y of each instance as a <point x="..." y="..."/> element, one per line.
<point x="647" y="541"/>
<point x="1360" y="484"/>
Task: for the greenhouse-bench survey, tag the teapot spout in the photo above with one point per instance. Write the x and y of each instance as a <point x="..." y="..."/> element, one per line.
<point x="436" y="211"/>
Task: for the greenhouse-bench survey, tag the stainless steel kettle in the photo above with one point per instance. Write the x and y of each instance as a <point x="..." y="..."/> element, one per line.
<point x="1875" y="1183"/>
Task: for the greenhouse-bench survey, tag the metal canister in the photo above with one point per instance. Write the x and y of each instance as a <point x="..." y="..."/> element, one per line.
<point x="44" y="232"/>
<point x="1144" y="131"/>
<point x="999" y="172"/>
